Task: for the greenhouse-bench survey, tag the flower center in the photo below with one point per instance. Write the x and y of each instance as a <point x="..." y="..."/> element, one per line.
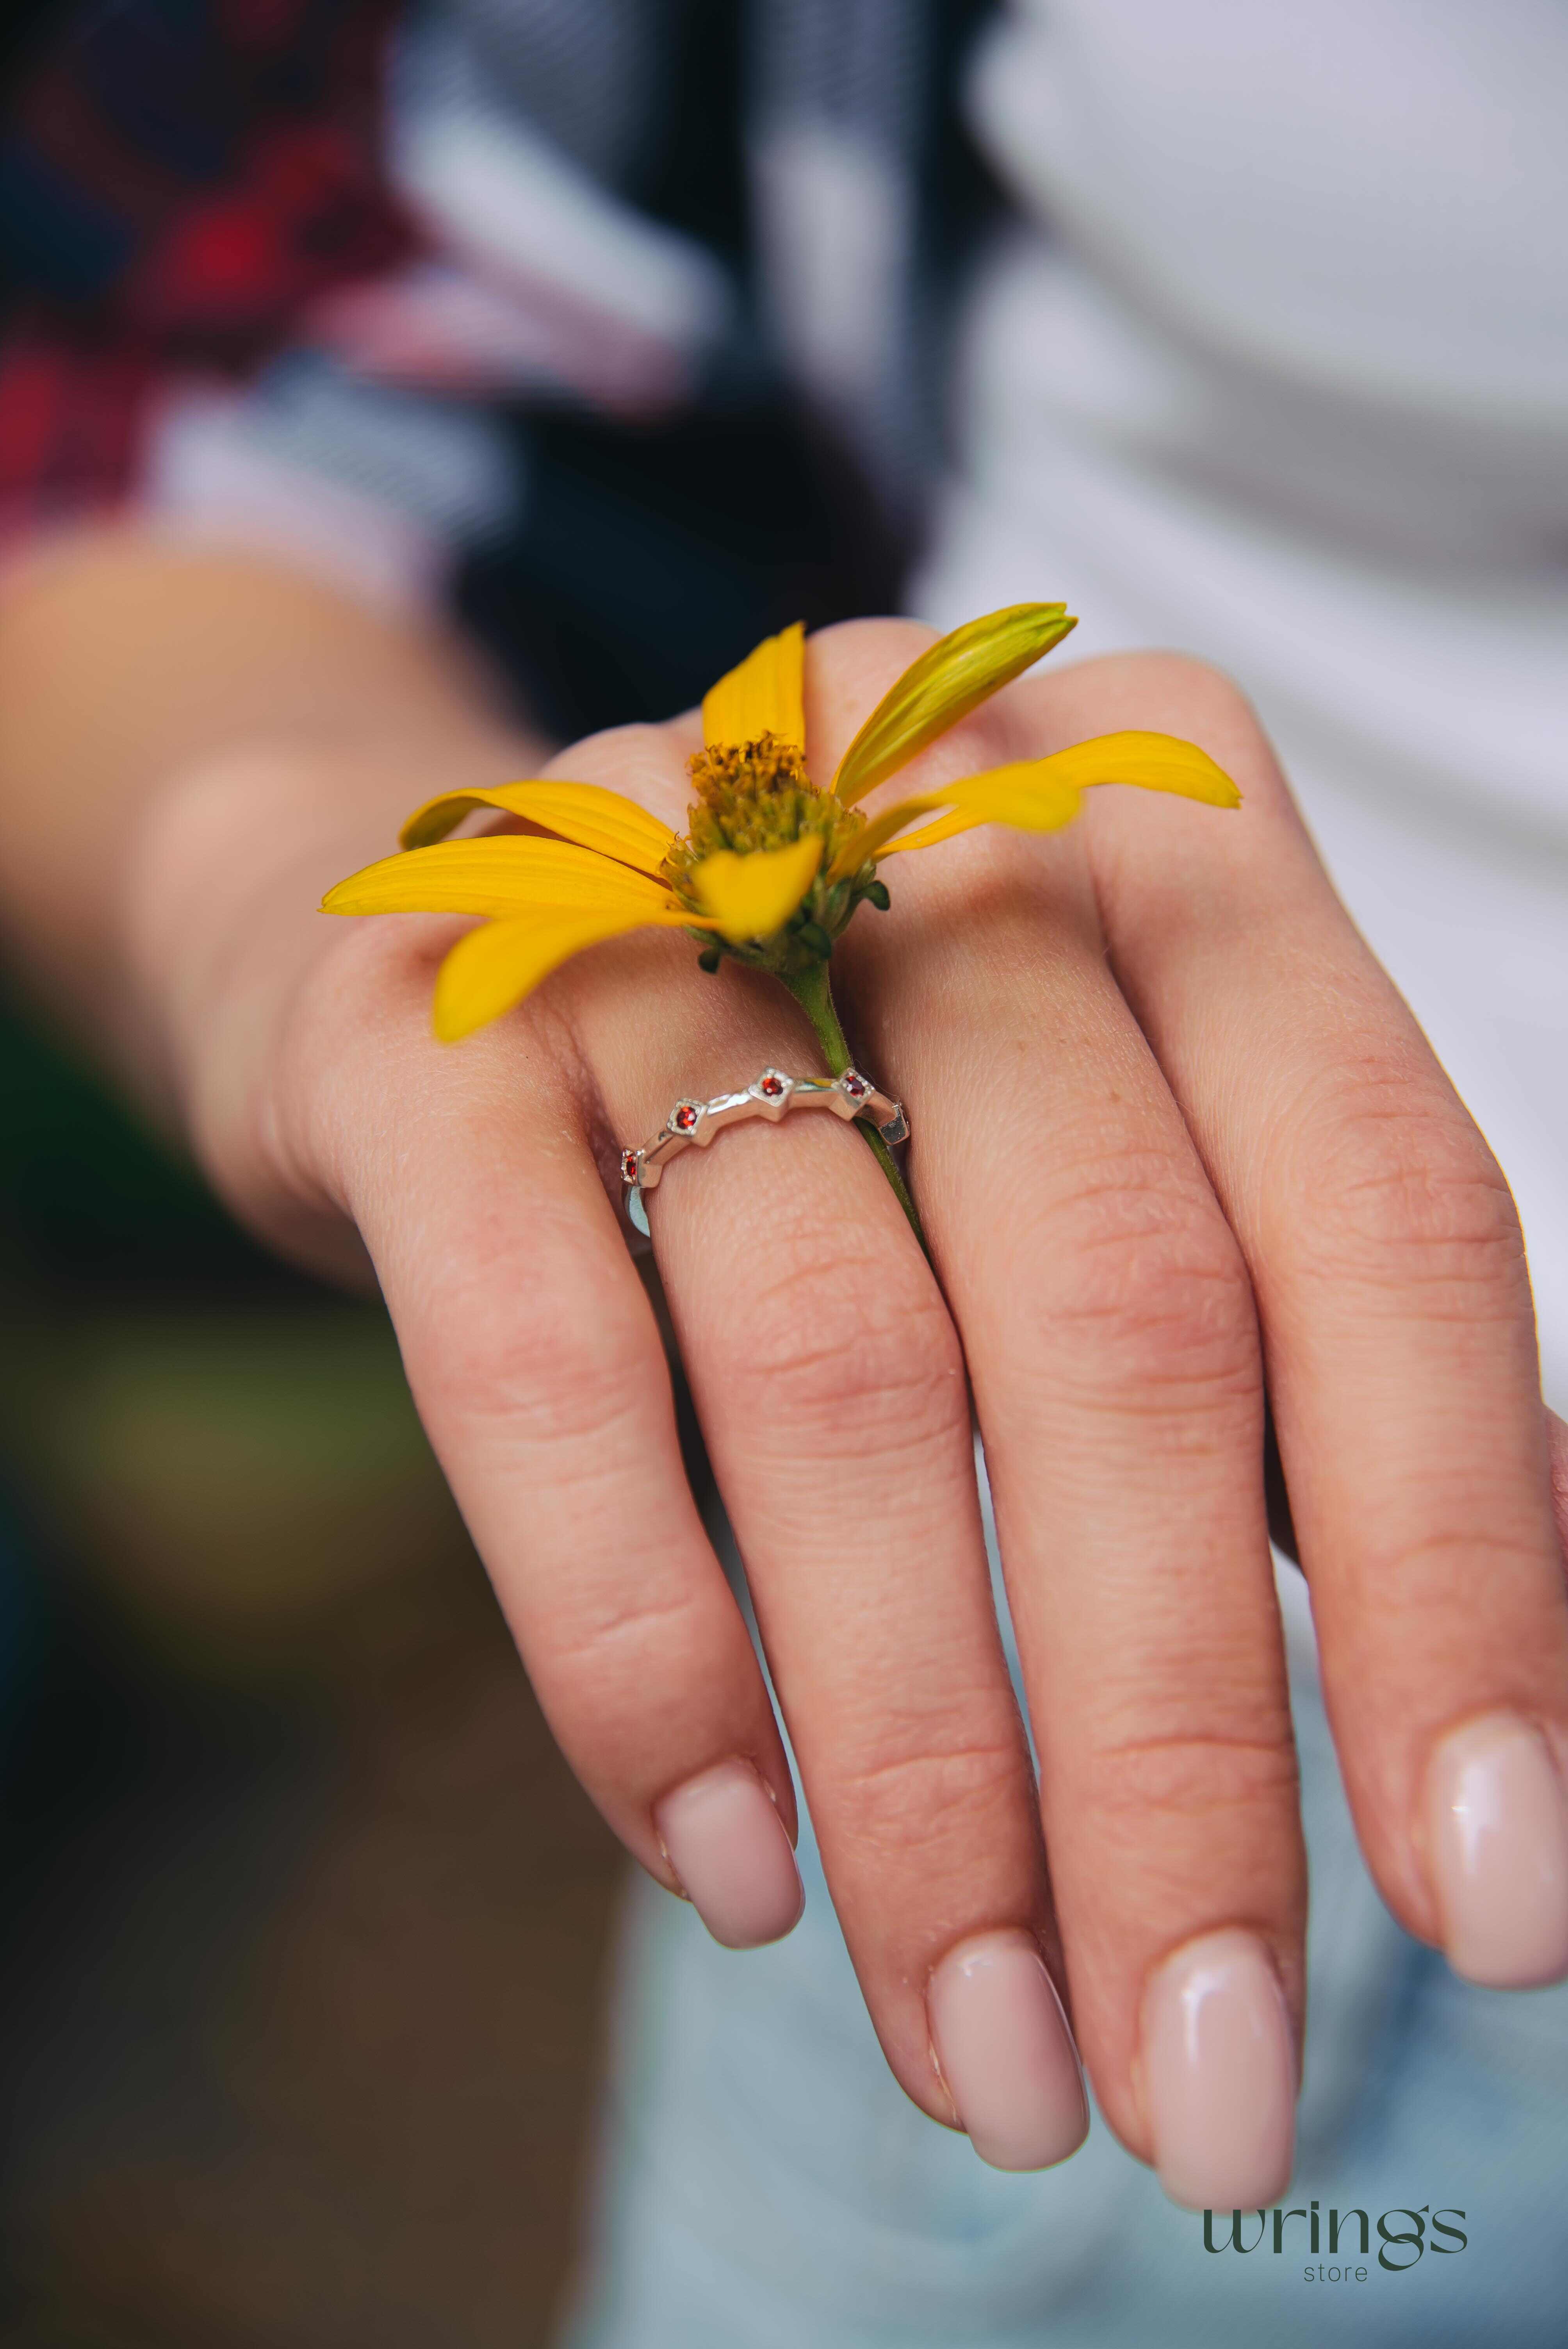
<point x="757" y="795"/>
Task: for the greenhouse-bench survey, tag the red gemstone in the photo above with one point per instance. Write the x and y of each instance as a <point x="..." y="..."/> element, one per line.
<point x="685" y="1118"/>
<point x="628" y="1165"/>
<point x="856" y="1086"/>
<point x="772" y="1087"/>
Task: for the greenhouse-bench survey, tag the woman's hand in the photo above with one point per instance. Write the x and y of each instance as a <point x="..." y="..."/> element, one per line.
<point x="1175" y="1137"/>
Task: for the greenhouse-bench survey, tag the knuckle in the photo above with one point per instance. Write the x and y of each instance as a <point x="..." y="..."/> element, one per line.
<point x="255" y="1106"/>
<point x="1201" y="687"/>
<point x="1193" y="1772"/>
<point x="892" y="642"/>
<point x="289" y="1134"/>
<point x="1127" y="1261"/>
<point x="351" y="1088"/>
<point x="1402" y="1190"/>
<point x="635" y="1676"/>
<point x="619" y="1630"/>
<point x="1173" y="692"/>
<point x="251" y="1141"/>
<point x="641" y="760"/>
<point x="366" y="992"/>
<point x="937" y="1793"/>
<point x="833" y="1341"/>
<point x="1429" y="1580"/>
<point x="515" y="1348"/>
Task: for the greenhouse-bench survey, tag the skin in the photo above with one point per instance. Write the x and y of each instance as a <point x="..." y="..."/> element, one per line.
<point x="1174" y="1135"/>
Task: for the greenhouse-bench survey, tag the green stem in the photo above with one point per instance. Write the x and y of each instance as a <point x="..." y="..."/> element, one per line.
<point x="812" y="990"/>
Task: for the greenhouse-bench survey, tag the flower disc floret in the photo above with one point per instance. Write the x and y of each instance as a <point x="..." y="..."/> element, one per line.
<point x="754" y="796"/>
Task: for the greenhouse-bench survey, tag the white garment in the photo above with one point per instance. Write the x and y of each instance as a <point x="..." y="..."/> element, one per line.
<point x="1275" y="370"/>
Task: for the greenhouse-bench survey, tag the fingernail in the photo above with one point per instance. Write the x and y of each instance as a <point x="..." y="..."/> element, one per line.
<point x="1007" y="2054"/>
<point x="1497" y="1833"/>
<point x="727" y="1844"/>
<point x="1218" y="2075"/>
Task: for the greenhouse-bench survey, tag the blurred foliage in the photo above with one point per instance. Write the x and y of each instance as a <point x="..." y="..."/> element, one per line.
<point x="304" y="1914"/>
<point x="231" y="1477"/>
<point x="87" y="1195"/>
<point x="192" y="1429"/>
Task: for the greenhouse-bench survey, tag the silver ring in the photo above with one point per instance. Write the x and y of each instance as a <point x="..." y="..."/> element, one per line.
<point x="692" y="1124"/>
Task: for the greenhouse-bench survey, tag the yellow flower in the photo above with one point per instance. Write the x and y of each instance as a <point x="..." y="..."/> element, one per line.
<point x="770" y="867"/>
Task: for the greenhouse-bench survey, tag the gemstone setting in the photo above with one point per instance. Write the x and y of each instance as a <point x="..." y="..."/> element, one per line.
<point x="770" y="1095"/>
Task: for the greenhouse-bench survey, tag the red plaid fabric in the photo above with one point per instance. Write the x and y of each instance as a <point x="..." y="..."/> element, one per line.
<point x="179" y="179"/>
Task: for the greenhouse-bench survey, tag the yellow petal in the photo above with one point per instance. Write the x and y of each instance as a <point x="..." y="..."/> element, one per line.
<point x="501" y="962"/>
<point x="584" y="812"/>
<point x="751" y="896"/>
<point x="1025" y="811"/>
<point x="949" y="681"/>
<point x="765" y="695"/>
<point x="497" y="876"/>
<point x="1027" y="794"/>
<point x="1044" y="794"/>
<point x="868" y="840"/>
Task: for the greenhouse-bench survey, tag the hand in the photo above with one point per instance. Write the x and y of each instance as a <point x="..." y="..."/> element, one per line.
<point x="1175" y="1139"/>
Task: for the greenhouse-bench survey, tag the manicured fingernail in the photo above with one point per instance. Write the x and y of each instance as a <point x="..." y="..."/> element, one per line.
<point x="727" y="1844"/>
<point x="1497" y="1833"/>
<point x="1218" y="2075"/>
<point x="1007" y="2054"/>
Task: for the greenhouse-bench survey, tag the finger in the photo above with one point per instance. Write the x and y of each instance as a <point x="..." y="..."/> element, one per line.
<point x="1395" y="1298"/>
<point x="1557" y="1453"/>
<point x="831" y="1391"/>
<point x="1112" y="1341"/>
<point x="536" y="1364"/>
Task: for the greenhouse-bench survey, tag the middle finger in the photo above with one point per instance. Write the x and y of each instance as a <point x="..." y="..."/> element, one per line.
<point x="831" y="1390"/>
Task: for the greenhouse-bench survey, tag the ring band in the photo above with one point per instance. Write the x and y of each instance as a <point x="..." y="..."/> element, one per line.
<point x="693" y="1124"/>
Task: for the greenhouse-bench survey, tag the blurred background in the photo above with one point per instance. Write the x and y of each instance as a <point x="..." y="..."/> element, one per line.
<point x="304" y="1917"/>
